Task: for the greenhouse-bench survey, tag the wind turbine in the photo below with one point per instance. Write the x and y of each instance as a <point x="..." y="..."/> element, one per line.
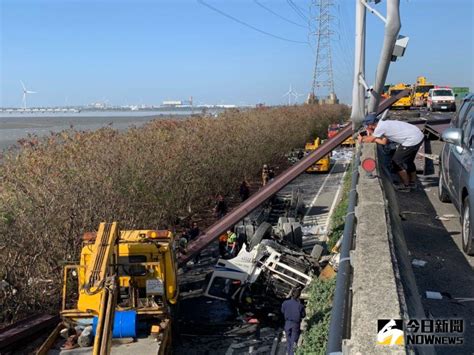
<point x="291" y="93"/>
<point x="25" y="93"/>
<point x="296" y="95"/>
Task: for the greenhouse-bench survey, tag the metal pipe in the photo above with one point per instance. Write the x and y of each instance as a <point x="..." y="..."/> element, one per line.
<point x="222" y="225"/>
<point x="373" y="11"/>
<point x="358" y="92"/>
<point x="392" y="28"/>
<point x="339" y="313"/>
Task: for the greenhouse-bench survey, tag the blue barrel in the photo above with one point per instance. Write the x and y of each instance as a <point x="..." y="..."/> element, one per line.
<point x="125" y="324"/>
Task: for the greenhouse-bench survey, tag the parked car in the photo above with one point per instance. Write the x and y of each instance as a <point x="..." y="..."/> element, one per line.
<point x="456" y="176"/>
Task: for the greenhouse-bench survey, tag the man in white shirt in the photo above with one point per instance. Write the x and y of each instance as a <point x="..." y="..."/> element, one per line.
<point x="409" y="138"/>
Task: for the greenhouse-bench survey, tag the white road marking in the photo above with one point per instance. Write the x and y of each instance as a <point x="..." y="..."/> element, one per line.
<point x="319" y="192"/>
<point x="333" y="205"/>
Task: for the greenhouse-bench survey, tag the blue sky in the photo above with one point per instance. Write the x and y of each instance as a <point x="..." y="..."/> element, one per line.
<point x="132" y="52"/>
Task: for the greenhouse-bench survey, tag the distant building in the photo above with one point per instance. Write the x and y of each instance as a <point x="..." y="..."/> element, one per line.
<point x="171" y="103"/>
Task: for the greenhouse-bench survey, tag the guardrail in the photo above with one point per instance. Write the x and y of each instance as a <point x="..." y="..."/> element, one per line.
<point x="340" y="314"/>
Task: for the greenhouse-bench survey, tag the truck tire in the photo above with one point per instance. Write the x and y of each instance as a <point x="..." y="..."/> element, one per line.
<point x="263" y="230"/>
<point x="287" y="232"/>
<point x="317" y="251"/>
<point x="249" y="232"/>
<point x="281" y="221"/>
<point x="297" y="234"/>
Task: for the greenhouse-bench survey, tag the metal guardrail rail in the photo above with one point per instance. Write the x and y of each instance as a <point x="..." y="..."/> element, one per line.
<point x="24" y="329"/>
<point x="340" y="319"/>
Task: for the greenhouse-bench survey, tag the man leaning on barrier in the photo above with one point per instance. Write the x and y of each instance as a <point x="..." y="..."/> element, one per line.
<point x="409" y="139"/>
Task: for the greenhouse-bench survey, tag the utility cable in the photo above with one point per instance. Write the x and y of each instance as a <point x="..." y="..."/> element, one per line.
<point x="248" y="25"/>
<point x="297" y="10"/>
<point x="278" y="15"/>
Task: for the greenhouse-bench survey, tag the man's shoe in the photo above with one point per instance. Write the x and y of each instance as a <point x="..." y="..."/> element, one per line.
<point x="413" y="185"/>
<point x="402" y="188"/>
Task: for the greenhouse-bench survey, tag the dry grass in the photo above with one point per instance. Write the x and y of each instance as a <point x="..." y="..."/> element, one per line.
<point x="53" y="190"/>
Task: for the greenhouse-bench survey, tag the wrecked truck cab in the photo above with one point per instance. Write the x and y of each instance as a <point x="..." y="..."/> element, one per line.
<point x="268" y="266"/>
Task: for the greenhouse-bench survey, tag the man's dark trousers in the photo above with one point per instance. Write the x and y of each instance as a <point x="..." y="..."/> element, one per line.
<point x="292" y="330"/>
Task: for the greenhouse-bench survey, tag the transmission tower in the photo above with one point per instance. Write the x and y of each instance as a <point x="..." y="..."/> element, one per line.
<point x="323" y="81"/>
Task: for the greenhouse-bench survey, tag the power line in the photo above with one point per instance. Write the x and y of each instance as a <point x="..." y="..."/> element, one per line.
<point x="248" y="25"/>
<point x="278" y="15"/>
<point x="297" y="10"/>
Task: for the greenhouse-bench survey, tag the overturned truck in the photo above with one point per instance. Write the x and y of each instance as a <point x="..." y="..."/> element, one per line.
<point x="271" y="264"/>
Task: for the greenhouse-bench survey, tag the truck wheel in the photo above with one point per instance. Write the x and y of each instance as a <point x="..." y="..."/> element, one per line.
<point x="249" y="232"/>
<point x="287" y="232"/>
<point x="263" y="230"/>
<point x="467" y="243"/>
<point x="282" y="220"/>
<point x="317" y="251"/>
<point x="297" y="235"/>
<point x="442" y="192"/>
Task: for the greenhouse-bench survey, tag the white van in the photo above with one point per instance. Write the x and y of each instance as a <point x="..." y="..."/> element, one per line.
<point x="441" y="99"/>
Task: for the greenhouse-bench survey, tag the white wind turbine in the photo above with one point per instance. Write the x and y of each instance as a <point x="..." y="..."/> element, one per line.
<point x="25" y="93"/>
<point x="291" y="93"/>
<point x="296" y="95"/>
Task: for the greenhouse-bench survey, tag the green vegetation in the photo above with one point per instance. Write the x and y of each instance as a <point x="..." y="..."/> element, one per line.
<point x="52" y="190"/>
<point x="322" y="292"/>
<point x="319" y="314"/>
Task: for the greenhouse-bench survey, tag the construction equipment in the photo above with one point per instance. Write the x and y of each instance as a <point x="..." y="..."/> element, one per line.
<point x="334" y="128"/>
<point x="420" y="92"/>
<point x="405" y="102"/>
<point x="125" y="286"/>
<point x="384" y="94"/>
<point x="323" y="164"/>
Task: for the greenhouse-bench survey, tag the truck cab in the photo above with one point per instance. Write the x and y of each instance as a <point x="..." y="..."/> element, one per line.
<point x="420" y="92"/>
<point x="323" y="165"/>
<point x="404" y="102"/>
<point x="269" y="266"/>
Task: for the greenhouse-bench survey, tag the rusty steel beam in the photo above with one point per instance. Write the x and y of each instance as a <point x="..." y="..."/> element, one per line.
<point x="388" y="102"/>
<point x="22" y="330"/>
<point x="222" y="225"/>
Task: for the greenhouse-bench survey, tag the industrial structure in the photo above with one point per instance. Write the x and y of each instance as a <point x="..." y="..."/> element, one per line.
<point x="323" y="79"/>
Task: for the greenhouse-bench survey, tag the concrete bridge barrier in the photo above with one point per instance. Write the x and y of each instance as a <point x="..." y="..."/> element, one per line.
<point x="383" y="285"/>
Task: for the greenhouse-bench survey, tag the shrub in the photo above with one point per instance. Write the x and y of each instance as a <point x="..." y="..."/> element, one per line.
<point x="54" y="189"/>
<point x="319" y="315"/>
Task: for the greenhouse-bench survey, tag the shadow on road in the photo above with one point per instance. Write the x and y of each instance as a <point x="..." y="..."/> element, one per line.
<point x="447" y="269"/>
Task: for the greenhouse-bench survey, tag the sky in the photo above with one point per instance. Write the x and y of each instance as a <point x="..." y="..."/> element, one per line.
<point x="123" y="52"/>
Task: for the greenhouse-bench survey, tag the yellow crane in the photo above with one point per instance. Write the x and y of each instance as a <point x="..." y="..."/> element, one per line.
<point x="125" y="281"/>
<point x="404" y="102"/>
<point x="321" y="165"/>
<point x="420" y="92"/>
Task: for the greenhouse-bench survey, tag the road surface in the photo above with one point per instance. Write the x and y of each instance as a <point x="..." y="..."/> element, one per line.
<point x="214" y="327"/>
